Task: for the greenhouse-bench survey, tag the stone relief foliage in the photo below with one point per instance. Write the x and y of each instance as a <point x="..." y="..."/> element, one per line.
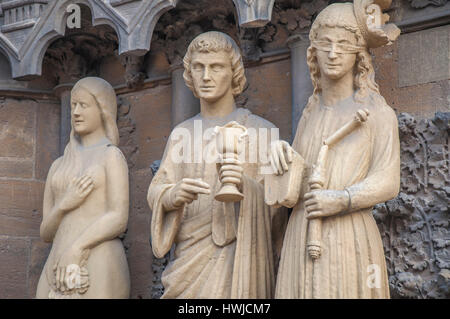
<point x="415" y="225"/>
<point x="418" y="4"/>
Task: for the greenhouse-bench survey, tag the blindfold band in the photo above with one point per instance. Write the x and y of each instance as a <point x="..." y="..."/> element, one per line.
<point x="338" y="47"/>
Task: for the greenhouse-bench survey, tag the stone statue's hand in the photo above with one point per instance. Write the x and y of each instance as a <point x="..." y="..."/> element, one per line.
<point x="281" y="154"/>
<point x="77" y="191"/>
<point x="68" y="269"/>
<point x="230" y="171"/>
<point x="186" y="191"/>
<point x="324" y="203"/>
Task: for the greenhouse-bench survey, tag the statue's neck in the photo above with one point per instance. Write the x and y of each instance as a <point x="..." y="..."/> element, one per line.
<point x="334" y="91"/>
<point x="93" y="138"/>
<point x="217" y="109"/>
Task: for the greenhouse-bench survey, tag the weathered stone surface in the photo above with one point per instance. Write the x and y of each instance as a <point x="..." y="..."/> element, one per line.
<point x="16" y="168"/>
<point x="112" y="70"/>
<point x="424" y="56"/>
<point x="18" y="222"/>
<point x="158" y="266"/>
<point x="416" y="15"/>
<point x="421" y="101"/>
<point x="127" y="127"/>
<point x="17" y="124"/>
<point x="270" y="103"/>
<point x="14" y="257"/>
<point x="150" y="109"/>
<point x="140" y="179"/>
<point x="139" y="257"/>
<point x="47" y="138"/>
<point x="137" y="238"/>
<point x="22" y="195"/>
<point x="418" y="4"/>
<point x="20" y="207"/>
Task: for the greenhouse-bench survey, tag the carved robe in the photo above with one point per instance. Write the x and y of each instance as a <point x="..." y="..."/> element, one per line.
<point x="367" y="163"/>
<point x="223" y="250"/>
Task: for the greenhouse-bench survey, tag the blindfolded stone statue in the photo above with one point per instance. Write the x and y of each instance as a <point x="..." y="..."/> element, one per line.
<point x="223" y="249"/>
<point x="86" y="203"/>
<point x="348" y="138"/>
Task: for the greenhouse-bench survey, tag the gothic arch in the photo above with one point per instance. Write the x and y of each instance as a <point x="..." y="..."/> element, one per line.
<point x="27" y="40"/>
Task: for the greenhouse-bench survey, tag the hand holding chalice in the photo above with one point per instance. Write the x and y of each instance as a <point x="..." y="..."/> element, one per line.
<point x="229" y="143"/>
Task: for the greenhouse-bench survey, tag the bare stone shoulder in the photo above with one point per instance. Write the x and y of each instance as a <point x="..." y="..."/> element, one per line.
<point x="114" y="154"/>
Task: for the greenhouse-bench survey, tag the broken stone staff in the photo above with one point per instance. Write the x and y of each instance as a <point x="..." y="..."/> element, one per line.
<point x="317" y="179"/>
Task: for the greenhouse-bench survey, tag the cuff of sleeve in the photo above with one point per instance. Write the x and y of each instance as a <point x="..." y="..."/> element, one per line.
<point x="168" y="200"/>
<point x="348" y="209"/>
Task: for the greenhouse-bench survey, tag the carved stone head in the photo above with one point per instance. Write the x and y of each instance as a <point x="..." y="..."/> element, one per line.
<point x="90" y="97"/>
<point x="213" y="66"/>
<point x="340" y="39"/>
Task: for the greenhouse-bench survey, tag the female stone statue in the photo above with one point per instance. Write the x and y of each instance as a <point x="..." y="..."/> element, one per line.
<point x="86" y="203"/>
<point x="362" y="169"/>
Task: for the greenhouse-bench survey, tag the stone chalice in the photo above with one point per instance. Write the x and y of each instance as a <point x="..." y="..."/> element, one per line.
<point x="229" y="143"/>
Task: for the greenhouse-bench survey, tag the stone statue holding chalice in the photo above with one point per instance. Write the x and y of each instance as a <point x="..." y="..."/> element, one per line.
<point x="214" y="212"/>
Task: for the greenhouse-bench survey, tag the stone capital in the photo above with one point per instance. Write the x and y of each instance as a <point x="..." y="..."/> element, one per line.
<point x="63" y="88"/>
<point x="254" y="13"/>
<point x="298" y="40"/>
<point x="176" y="65"/>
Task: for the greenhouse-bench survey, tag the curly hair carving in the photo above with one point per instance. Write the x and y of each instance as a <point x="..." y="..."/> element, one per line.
<point x="214" y="41"/>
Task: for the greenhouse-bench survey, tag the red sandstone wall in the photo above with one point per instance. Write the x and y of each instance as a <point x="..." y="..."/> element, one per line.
<point x="422" y="100"/>
<point x="29" y="133"/>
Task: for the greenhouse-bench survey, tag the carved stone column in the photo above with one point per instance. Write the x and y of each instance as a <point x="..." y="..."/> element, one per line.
<point x="184" y="103"/>
<point x="63" y="92"/>
<point x="301" y="82"/>
<point x="69" y="68"/>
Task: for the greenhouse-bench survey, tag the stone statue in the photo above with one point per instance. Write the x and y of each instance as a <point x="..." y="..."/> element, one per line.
<point x="223" y="249"/>
<point x="86" y="203"/>
<point x="348" y="139"/>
